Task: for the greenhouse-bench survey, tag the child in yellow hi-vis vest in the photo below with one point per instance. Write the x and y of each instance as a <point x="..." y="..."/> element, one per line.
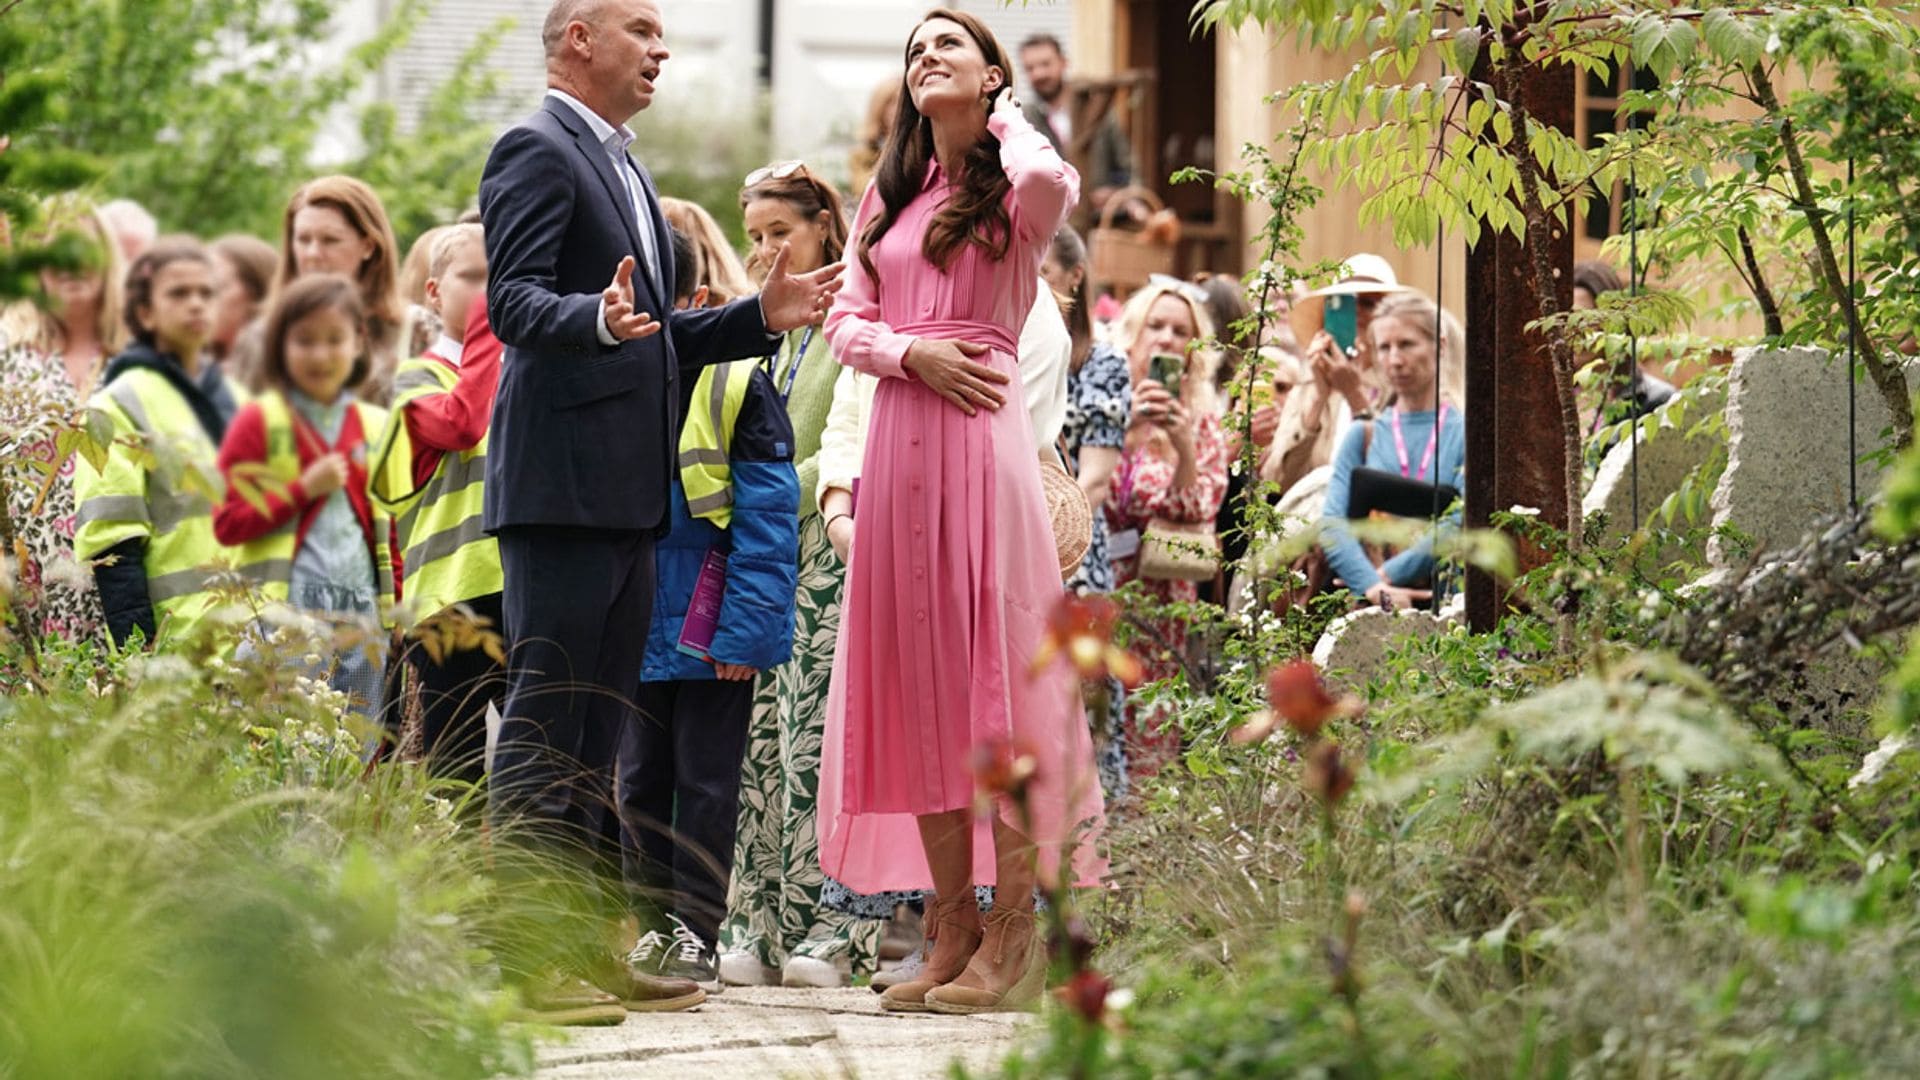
<point x="147" y="529"/>
<point x="296" y="466"/>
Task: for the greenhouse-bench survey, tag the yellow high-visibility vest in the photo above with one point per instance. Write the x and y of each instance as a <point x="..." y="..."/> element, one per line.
<point x="448" y="556"/>
<point x="705" y="471"/>
<point x="267" y="561"/>
<point x="154" y="487"/>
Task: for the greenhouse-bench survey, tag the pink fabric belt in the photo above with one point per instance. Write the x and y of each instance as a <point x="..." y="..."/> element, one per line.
<point x="992" y="335"/>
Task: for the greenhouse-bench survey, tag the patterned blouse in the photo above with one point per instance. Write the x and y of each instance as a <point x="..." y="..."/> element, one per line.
<point x="1143" y="490"/>
<point x="56" y="592"/>
<point x="1099" y="400"/>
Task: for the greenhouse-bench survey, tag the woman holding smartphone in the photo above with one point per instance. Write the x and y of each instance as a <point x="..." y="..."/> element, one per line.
<point x="1173" y="469"/>
<point x="953" y="566"/>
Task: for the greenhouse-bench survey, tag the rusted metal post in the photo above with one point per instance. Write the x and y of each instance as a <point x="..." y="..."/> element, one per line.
<point x="1514" y="441"/>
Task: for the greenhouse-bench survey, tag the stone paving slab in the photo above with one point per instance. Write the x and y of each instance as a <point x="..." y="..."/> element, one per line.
<point x="776" y="1032"/>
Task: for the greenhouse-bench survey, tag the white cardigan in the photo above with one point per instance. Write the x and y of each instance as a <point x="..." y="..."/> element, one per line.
<point x="1046" y="351"/>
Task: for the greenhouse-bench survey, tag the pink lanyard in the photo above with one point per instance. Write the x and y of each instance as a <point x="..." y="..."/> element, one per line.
<point x="1400" y="443"/>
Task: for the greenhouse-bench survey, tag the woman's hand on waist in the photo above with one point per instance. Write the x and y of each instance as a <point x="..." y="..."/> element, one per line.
<point x="949" y="369"/>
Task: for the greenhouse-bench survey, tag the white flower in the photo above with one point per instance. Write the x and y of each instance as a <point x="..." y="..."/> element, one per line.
<point x="1523" y="511"/>
<point x="1876" y="762"/>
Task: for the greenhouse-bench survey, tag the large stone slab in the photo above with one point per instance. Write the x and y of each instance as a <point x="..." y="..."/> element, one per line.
<point x="1354" y="648"/>
<point x="1668" y="454"/>
<point x="1787" y="457"/>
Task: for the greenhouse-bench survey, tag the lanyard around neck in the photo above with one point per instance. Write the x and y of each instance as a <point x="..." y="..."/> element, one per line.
<point x="793" y="366"/>
<point x="1433" y="440"/>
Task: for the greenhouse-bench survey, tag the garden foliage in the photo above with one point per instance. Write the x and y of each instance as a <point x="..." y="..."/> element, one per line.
<point x="1604" y="840"/>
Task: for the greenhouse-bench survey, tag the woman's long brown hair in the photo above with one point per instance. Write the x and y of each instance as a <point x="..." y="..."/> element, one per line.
<point x="977" y="212"/>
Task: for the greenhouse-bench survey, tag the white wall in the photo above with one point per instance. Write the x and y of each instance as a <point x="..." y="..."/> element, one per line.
<point x="1015" y="22"/>
<point x="828" y="56"/>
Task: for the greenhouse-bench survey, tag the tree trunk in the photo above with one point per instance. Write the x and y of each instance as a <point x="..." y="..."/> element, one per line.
<point x="1546" y="293"/>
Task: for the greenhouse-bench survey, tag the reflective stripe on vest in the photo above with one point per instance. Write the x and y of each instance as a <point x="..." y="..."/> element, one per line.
<point x="449" y="557"/>
<point x="705" y="471"/>
<point x="145" y="502"/>
<point x="267" y="561"/>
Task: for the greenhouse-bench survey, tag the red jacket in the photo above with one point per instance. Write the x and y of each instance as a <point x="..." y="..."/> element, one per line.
<point x="237" y="521"/>
<point x="451" y="422"/>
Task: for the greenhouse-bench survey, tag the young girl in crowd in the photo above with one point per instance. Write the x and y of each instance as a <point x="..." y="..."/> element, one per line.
<point x="149" y="535"/>
<point x="313" y="537"/>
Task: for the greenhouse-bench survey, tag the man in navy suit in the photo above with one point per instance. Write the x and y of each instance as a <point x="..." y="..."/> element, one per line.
<point x="587" y="414"/>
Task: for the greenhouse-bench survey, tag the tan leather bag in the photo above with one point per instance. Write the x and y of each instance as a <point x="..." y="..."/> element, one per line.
<point x="1179" y="551"/>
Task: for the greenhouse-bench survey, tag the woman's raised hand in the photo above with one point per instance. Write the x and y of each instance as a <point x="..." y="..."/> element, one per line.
<point x="950" y="370"/>
<point x="1151" y="403"/>
<point x="1006" y="104"/>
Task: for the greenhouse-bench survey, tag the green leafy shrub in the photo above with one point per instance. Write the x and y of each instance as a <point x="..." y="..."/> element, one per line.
<point x="202" y="879"/>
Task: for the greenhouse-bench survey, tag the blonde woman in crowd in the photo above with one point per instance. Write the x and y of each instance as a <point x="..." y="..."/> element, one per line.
<point x="1172" y="471"/>
<point x="52" y="349"/>
<point x="1419" y="435"/>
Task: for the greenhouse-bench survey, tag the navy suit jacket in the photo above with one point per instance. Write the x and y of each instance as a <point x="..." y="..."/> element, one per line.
<point x="584" y="435"/>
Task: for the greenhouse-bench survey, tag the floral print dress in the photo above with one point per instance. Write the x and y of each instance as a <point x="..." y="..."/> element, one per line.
<point x="1143" y="491"/>
<point x="1099" y="400"/>
<point x="55" y="592"/>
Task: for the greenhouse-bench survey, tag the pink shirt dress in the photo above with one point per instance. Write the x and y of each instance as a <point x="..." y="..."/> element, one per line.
<point x="953" y="570"/>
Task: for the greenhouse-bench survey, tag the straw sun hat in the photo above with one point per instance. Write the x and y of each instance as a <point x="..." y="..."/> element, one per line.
<point x="1362" y="274"/>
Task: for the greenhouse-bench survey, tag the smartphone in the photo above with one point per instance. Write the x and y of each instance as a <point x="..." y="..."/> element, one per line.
<point x="1340" y="318"/>
<point x="1166" y="370"/>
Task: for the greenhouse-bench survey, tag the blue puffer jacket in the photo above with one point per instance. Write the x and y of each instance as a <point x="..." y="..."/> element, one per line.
<point x="762" y="544"/>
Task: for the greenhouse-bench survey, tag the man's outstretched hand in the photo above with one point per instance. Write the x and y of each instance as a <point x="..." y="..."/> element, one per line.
<point x="790" y="301"/>
<point x="624" y="323"/>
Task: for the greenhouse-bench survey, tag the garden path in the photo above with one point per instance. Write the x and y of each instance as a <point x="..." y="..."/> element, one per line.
<point x="775" y="1032"/>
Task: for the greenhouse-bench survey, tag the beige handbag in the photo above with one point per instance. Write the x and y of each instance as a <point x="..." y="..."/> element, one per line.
<point x="1179" y="551"/>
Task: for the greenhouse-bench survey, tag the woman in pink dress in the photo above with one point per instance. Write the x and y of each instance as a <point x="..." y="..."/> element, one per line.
<point x="953" y="570"/>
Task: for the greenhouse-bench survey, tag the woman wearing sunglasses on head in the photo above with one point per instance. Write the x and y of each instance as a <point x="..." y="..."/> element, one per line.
<point x="777" y="930"/>
<point x="954" y="566"/>
<point x="1172" y="474"/>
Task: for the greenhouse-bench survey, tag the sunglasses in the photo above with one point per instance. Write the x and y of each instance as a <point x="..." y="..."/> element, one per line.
<point x="779" y="170"/>
<point x="1186" y="289"/>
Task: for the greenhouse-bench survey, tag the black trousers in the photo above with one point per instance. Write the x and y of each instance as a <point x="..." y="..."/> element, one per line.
<point x="680" y="799"/>
<point x="577" y="604"/>
<point x="454" y="695"/>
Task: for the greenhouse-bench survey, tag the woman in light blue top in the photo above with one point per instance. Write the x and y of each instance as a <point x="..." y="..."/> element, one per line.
<point x="1401" y="441"/>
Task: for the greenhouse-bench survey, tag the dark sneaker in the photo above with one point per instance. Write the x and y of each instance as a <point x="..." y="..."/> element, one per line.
<point x="650" y="951"/>
<point x="688" y="956"/>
